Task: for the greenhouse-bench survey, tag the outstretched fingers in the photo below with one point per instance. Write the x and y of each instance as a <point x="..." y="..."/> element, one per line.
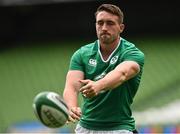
<point x="74" y="114"/>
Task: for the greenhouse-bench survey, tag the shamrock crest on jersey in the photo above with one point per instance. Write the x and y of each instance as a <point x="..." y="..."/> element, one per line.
<point x="114" y="60"/>
<point x="92" y="62"/>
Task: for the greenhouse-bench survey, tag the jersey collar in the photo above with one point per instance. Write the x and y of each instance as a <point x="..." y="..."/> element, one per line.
<point x="110" y="54"/>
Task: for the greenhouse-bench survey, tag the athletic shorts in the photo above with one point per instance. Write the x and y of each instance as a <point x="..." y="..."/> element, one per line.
<point x="81" y="130"/>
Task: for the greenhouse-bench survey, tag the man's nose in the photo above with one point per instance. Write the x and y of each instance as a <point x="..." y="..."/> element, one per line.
<point x="104" y="27"/>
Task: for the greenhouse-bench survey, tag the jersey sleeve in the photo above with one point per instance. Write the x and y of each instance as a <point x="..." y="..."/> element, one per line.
<point x="134" y="55"/>
<point x="76" y="62"/>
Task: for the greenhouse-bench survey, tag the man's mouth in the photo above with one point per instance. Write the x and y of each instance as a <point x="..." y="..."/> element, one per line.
<point x="105" y="34"/>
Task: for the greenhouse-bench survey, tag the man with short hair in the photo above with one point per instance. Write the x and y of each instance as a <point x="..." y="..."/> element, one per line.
<point x="107" y="73"/>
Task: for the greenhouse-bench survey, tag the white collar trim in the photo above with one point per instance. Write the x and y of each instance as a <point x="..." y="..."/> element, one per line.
<point x="110" y="54"/>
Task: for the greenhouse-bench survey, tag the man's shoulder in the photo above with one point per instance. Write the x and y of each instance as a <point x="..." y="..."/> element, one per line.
<point x="129" y="46"/>
<point x="89" y="48"/>
<point x="130" y="51"/>
<point x="89" y="45"/>
<point x="127" y="43"/>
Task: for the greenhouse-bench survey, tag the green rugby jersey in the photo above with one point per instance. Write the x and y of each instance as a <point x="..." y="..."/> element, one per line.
<point x="110" y="110"/>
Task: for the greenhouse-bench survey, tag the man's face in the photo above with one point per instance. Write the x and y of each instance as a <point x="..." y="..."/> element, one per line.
<point x="108" y="27"/>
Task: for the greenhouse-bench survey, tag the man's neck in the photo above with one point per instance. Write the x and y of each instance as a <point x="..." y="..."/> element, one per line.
<point x="107" y="49"/>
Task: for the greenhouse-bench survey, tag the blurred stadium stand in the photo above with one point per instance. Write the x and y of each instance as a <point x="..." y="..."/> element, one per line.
<point x="33" y="2"/>
<point x="38" y="39"/>
<point x="75" y="20"/>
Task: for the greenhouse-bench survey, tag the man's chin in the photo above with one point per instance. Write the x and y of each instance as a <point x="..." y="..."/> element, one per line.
<point x="105" y="41"/>
<point x="104" y="38"/>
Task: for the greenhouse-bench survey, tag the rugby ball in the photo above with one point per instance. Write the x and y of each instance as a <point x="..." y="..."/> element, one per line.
<point x="50" y="109"/>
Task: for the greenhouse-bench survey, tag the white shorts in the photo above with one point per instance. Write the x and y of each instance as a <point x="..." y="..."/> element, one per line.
<point x="81" y="130"/>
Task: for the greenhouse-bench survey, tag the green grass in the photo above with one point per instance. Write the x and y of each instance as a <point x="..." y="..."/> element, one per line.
<point x="29" y="69"/>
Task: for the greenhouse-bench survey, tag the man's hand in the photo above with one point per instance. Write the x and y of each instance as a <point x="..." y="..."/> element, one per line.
<point x="90" y="88"/>
<point x="74" y="114"/>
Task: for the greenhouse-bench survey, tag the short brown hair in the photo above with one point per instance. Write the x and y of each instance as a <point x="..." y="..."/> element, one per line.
<point x="113" y="9"/>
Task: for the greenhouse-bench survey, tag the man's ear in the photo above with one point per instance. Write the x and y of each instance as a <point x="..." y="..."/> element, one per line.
<point x="122" y="26"/>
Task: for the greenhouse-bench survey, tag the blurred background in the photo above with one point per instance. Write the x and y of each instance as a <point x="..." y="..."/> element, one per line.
<point x="38" y="37"/>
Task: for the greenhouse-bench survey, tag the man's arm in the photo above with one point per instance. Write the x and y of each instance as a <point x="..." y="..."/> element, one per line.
<point x="71" y="92"/>
<point x="123" y="72"/>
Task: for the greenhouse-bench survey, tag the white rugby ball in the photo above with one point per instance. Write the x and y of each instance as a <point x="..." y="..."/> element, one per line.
<point x="50" y="109"/>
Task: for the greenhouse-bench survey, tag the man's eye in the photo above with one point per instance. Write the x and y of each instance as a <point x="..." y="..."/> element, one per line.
<point x="110" y="23"/>
<point x="100" y="23"/>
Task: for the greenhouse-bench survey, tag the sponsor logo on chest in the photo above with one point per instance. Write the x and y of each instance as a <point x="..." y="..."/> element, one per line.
<point x="98" y="77"/>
